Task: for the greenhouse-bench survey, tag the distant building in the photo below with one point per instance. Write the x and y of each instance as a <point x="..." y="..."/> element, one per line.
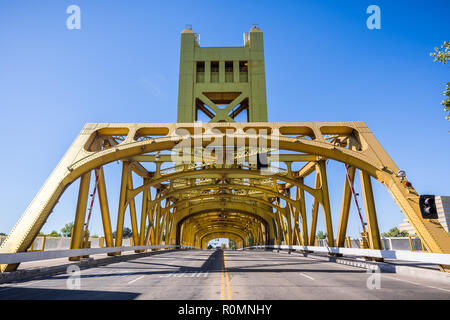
<point x="443" y="209"/>
<point x="406" y="226"/>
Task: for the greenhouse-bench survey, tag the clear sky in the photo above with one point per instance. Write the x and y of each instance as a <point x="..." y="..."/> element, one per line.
<point x="322" y="64"/>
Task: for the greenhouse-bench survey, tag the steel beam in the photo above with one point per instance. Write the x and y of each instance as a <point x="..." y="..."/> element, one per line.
<point x="371" y="159"/>
<point x="345" y="207"/>
<point x="104" y="208"/>
<point x="371" y="214"/>
<point x="80" y="214"/>
<point x="122" y="203"/>
<point x="315" y="211"/>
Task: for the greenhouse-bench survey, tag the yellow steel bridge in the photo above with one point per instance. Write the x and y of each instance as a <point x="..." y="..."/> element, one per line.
<point x="234" y="176"/>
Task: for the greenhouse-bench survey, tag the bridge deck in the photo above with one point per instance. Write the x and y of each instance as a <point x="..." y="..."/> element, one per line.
<point x="202" y="275"/>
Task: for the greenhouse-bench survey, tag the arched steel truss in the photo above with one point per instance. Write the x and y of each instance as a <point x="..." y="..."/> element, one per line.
<point x="186" y="203"/>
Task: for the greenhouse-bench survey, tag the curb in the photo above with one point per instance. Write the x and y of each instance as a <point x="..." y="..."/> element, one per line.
<point x="22" y="275"/>
<point x="386" y="267"/>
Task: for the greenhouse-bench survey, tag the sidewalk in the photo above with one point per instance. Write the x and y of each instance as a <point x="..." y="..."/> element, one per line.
<point x="416" y="269"/>
<point x="33" y="269"/>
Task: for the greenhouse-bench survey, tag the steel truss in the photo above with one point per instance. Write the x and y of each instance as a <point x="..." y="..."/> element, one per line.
<point x="192" y="203"/>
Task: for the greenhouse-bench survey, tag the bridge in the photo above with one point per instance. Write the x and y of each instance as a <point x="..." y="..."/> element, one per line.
<point x="227" y="275"/>
<point x="236" y="176"/>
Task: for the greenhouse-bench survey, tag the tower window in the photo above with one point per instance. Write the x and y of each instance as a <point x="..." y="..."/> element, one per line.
<point x="200" y="71"/>
<point x="229" y="71"/>
<point x="243" y="71"/>
<point x="214" y="71"/>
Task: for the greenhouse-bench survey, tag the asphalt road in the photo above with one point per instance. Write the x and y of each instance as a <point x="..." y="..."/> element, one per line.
<point x="229" y="275"/>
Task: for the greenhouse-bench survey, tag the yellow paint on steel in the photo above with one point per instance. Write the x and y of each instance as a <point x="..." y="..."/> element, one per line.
<point x="212" y="76"/>
<point x="315" y="212"/>
<point x="189" y="198"/>
<point x="345" y="207"/>
<point x="371" y="214"/>
<point x="371" y="160"/>
<point x="104" y="209"/>
<point x="122" y="206"/>
<point x="83" y="195"/>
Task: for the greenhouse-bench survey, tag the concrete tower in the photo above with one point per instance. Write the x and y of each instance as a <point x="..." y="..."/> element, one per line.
<point x="226" y="84"/>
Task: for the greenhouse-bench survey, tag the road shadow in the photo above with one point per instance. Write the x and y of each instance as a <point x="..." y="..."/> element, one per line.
<point x="213" y="264"/>
<point x="17" y="293"/>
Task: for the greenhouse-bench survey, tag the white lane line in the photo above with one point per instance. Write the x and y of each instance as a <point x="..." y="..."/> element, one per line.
<point x="135" y="279"/>
<point x="31" y="283"/>
<point x="306" y="276"/>
<point x="15" y="286"/>
<point x="438" y="288"/>
<point x="415" y="283"/>
<point x="345" y="266"/>
<point x="418" y="284"/>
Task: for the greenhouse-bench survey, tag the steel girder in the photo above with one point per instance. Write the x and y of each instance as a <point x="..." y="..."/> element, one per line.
<point x="243" y="224"/>
<point x="244" y="209"/>
<point x="351" y="143"/>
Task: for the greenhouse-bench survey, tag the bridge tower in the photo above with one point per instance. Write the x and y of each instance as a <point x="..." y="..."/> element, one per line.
<point x="222" y="83"/>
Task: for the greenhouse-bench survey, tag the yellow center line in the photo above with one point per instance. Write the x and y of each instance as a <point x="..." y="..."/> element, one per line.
<point x="222" y="290"/>
<point x="226" y="276"/>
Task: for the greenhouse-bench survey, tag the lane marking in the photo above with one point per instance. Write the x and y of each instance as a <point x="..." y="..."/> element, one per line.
<point x="438" y="288"/>
<point x="411" y="282"/>
<point x="306" y="276"/>
<point x="225" y="281"/>
<point x="136" y="279"/>
<point x="15" y="286"/>
<point x="205" y="274"/>
<point x="222" y="287"/>
<point x="186" y="274"/>
<point x="33" y="282"/>
<point x="168" y="274"/>
<point x="226" y="274"/>
<point x="347" y="266"/>
<point x="418" y="284"/>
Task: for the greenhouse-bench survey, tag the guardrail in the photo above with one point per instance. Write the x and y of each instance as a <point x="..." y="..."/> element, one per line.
<point x="45" y="243"/>
<point x="10" y="258"/>
<point x="410" y="243"/>
<point x="425" y="257"/>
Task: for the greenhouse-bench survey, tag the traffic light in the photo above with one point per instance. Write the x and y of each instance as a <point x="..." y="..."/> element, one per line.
<point x="428" y="206"/>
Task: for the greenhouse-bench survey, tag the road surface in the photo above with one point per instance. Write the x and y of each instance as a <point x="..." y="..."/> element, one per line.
<point x="226" y="275"/>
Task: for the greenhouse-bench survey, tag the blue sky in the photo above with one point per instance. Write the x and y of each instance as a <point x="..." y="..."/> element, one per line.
<point x="322" y="64"/>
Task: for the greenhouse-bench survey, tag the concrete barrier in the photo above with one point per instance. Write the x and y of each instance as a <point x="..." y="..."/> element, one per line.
<point x="46" y="243"/>
<point x="44" y="271"/>
<point x="61" y="243"/>
<point x="404" y="255"/>
<point x="393" y="243"/>
<point x="11" y="258"/>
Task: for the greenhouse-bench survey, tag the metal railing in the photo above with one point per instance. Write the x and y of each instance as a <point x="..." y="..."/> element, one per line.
<point x="10" y="258"/>
<point x="404" y="255"/>
<point x="412" y="243"/>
